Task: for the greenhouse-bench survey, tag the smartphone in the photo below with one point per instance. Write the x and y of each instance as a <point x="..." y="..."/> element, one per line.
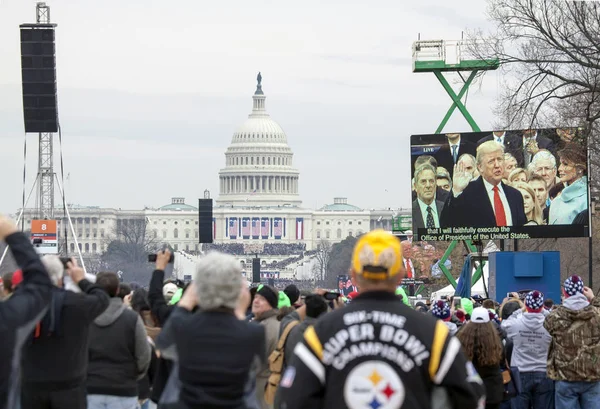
<point x="330" y="295"/>
<point x="152" y="258"/>
<point x="510" y="295"/>
<point x="456" y="302"/>
<point x="65" y="260"/>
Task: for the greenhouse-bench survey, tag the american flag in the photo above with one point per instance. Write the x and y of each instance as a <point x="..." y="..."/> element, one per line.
<point x="277" y="227"/>
<point x="264" y="228"/>
<point x="246" y="227"/>
<point x="233" y="227"/>
<point x="255" y="227"/>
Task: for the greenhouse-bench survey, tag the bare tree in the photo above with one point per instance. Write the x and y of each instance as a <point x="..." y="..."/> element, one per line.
<point x="549" y="51"/>
<point x="322" y="258"/>
<point x="129" y="243"/>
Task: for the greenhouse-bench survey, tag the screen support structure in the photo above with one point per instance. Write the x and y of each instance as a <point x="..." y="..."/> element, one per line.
<point x="45" y="194"/>
<point x="439" y="56"/>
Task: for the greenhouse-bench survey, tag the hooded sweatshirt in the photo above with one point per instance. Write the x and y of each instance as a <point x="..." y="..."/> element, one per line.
<point x="575" y="348"/>
<point x="119" y="352"/>
<point x="530" y="338"/>
<point x="452" y="327"/>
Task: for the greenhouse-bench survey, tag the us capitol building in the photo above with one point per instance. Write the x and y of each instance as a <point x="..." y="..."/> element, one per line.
<point x="258" y="209"/>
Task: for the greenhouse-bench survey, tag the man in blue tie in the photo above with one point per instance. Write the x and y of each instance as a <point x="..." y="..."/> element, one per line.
<point x="509" y="141"/>
<point x="448" y="154"/>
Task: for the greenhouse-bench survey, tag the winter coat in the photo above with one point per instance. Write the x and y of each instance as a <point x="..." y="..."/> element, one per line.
<point x="531" y="340"/>
<point x="119" y="352"/>
<point x="269" y="321"/>
<point x="574" y="353"/>
<point x="19" y="315"/>
<point x="572" y="200"/>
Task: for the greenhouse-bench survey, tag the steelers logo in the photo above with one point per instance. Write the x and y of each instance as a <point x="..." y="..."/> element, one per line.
<point x="373" y="385"/>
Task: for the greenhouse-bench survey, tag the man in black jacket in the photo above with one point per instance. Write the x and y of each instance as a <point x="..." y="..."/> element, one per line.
<point x="448" y="154"/>
<point x="119" y="352"/>
<point x="55" y="358"/>
<point x="161" y="310"/>
<point x="21" y="311"/>
<point x="377" y="352"/>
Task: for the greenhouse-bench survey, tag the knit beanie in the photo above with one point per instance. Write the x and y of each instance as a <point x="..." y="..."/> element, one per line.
<point x="270" y="295"/>
<point x="176" y="297"/>
<point x="467" y="305"/>
<point x="400" y="292"/>
<point x="493" y="316"/>
<point x="283" y="301"/>
<point x="573" y="285"/>
<point x="441" y="310"/>
<point x="534" y="301"/>
<point x="292" y="293"/>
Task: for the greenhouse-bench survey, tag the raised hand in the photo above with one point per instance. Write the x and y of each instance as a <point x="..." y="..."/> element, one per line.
<point x="460" y="178"/>
<point x="7" y="227"/>
<point x="74" y="271"/>
<point x="589" y="294"/>
<point x="162" y="259"/>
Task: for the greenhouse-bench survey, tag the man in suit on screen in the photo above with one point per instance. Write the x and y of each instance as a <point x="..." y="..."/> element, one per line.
<point x="485" y="201"/>
<point x="511" y="143"/>
<point x="440" y="194"/>
<point x="531" y="143"/>
<point x="449" y="153"/>
<point x="426" y="210"/>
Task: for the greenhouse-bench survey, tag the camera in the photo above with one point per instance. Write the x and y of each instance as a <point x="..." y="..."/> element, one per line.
<point x="65" y="261"/>
<point x="331" y="295"/>
<point x="152" y="258"/>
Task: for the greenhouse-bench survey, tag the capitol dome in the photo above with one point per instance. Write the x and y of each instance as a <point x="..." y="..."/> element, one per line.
<point x="340" y="204"/>
<point x="258" y="163"/>
<point x="178" y="204"/>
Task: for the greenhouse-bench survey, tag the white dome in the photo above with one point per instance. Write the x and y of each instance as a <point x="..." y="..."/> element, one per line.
<point x="258" y="163"/>
<point x="259" y="129"/>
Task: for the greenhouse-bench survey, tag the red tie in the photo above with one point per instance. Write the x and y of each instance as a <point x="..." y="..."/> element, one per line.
<point x="408" y="270"/>
<point x="499" y="208"/>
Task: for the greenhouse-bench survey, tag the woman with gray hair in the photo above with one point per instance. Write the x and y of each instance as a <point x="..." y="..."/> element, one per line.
<point x="214" y="350"/>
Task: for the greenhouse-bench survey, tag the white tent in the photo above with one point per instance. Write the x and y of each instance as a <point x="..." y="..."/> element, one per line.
<point x="476" y="289"/>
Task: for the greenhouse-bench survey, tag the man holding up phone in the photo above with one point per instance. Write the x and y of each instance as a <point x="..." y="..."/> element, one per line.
<point x="55" y="361"/>
<point x="19" y="313"/>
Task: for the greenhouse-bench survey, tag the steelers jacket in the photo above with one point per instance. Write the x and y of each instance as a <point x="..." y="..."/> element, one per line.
<point x="377" y="353"/>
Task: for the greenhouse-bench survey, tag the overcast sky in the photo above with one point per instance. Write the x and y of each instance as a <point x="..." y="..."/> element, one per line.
<point x="150" y="93"/>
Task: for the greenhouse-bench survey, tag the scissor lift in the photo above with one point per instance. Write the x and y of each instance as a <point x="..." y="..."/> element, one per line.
<point x="439" y="56"/>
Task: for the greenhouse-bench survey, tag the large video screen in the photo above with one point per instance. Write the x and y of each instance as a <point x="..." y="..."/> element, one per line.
<point x="521" y="184"/>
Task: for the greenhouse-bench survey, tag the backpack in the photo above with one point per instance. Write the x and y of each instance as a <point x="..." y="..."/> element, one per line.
<point x="276" y="364"/>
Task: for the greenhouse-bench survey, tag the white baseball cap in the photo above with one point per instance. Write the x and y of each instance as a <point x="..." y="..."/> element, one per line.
<point x="169" y="289"/>
<point x="480" y="315"/>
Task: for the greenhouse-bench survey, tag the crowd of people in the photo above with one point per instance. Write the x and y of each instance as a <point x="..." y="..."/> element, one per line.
<point x="266" y="249"/>
<point x="512" y="179"/>
<point x="215" y="343"/>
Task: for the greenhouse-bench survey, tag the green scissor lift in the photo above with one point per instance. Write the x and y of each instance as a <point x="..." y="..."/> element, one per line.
<point x="439" y="56"/>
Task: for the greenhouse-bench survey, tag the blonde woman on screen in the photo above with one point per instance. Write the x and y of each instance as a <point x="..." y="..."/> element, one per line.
<point x="532" y="208"/>
<point x="518" y="175"/>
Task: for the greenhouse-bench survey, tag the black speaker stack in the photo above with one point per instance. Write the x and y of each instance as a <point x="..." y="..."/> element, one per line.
<point x="205" y="220"/>
<point x="38" y="69"/>
<point x="256" y="270"/>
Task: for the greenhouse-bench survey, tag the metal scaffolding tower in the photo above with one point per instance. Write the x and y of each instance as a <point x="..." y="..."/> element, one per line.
<point x="439" y="56"/>
<point x="45" y="193"/>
